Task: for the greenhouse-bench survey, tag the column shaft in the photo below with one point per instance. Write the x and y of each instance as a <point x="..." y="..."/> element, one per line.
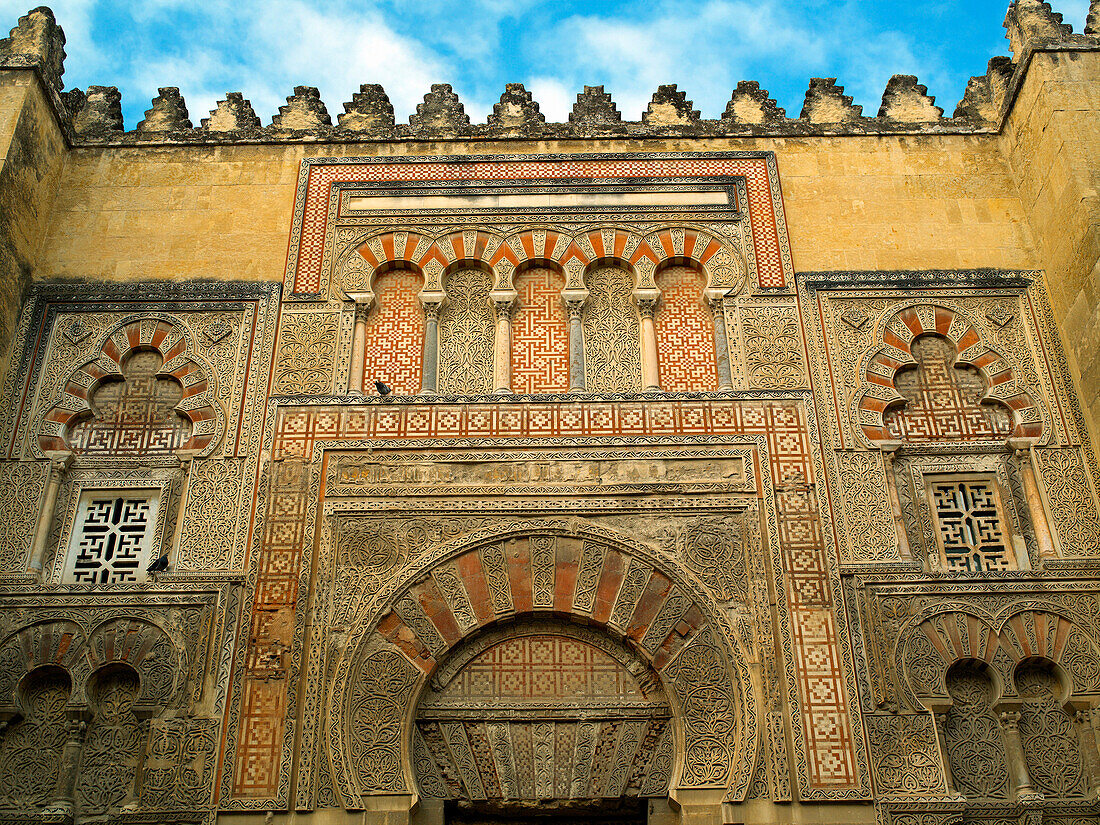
<point x="58" y="465"/>
<point x="721" y="346"/>
<point x="358" y="350"/>
<point x="576" y="346"/>
<point x="431" y="349"/>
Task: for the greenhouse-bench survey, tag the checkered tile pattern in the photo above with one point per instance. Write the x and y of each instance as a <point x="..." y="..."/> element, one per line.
<point x="395" y="333"/>
<point x="265" y="678"/>
<point x="543" y="667"/>
<point x="828" y="737"/>
<point x="685" y="333"/>
<point x="766" y="219"/>
<point x="540" y="334"/>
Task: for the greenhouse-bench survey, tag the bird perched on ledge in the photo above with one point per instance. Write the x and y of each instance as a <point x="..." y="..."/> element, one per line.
<point x="383" y="390"/>
<point x="159" y="566"/>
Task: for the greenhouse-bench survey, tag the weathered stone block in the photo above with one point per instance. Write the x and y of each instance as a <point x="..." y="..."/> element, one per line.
<point x="101" y="112"/>
<point x="827" y="103"/>
<point x="304" y="112"/>
<point x="907" y="101"/>
<point x="595" y="112"/>
<point x="36" y="41"/>
<point x="168" y="114"/>
<point x="516" y="113"/>
<point x="440" y="115"/>
<point x="369" y="110"/>
<point x="234" y="114"/>
<point x="751" y="104"/>
<point x="670" y="107"/>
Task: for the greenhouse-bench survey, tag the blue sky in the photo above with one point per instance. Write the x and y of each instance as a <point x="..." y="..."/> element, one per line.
<point x="264" y="48"/>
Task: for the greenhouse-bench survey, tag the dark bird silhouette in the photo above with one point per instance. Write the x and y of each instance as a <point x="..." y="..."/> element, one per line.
<point x="383" y="390"/>
<point x="159" y="566"/>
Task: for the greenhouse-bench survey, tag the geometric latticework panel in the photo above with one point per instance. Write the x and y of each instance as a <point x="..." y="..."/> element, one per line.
<point x="969" y="525"/>
<point x="112" y="538"/>
<point x="685" y="333"/>
<point x="943" y="400"/>
<point x="135" y="415"/>
<point x="543" y="717"/>
<point x="540" y="336"/>
<point x="395" y="333"/>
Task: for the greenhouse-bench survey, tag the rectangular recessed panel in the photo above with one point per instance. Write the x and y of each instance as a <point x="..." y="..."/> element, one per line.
<point x="534" y="200"/>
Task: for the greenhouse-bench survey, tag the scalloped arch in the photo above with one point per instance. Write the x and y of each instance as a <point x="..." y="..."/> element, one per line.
<point x="163" y="335"/>
<point x="898" y="333"/>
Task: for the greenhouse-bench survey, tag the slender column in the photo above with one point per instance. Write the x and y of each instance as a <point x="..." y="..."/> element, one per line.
<point x="1085" y="720"/>
<point x="1021" y="450"/>
<point x="64" y="795"/>
<point x="59" y="463"/>
<point x="503" y="304"/>
<point x="431" y="346"/>
<point x="721" y="345"/>
<point x="186" y="457"/>
<point x="647" y="308"/>
<point x="359" y="344"/>
<point x="939" y="717"/>
<point x="575" y="308"/>
<point x="1014" y="751"/>
<point x="889" y="450"/>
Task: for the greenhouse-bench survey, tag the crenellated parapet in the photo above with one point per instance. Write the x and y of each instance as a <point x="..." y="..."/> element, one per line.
<point x="37" y="41"/>
<point x="94" y="115"/>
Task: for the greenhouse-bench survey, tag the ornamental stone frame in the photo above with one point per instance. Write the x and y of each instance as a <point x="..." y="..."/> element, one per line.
<point x="389" y="660"/>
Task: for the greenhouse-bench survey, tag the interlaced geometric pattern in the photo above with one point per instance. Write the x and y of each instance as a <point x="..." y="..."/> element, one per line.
<point x="395" y="333"/>
<point x="970" y="526"/>
<point x="134" y="415"/>
<point x="112" y="539"/>
<point x="540" y="334"/>
<point x="685" y="333"/>
<point x="942" y="399"/>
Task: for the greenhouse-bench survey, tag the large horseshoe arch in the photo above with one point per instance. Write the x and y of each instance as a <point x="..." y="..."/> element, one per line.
<point x="597" y="590"/>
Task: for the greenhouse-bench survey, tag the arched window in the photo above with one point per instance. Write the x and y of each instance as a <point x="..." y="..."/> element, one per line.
<point x="1051" y="747"/>
<point x="466" y="334"/>
<point x="394" y="338"/>
<point x="114" y="744"/>
<point x="612" y="349"/>
<point x="540" y="335"/>
<point x="686" y="359"/>
<point x="135" y="413"/>
<point x="943" y="401"/>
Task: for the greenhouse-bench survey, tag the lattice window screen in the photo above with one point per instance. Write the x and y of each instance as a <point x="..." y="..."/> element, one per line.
<point x="113" y="537"/>
<point x="969" y="527"/>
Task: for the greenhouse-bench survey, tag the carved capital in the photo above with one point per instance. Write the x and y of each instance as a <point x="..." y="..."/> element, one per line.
<point x="60" y="460"/>
<point x="647" y="307"/>
<point x="432" y="307"/>
<point x="503" y="303"/>
<point x="1010" y="720"/>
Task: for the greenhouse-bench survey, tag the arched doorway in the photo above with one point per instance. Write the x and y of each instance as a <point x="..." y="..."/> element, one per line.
<point x="547" y="716"/>
<point x="660" y="703"/>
